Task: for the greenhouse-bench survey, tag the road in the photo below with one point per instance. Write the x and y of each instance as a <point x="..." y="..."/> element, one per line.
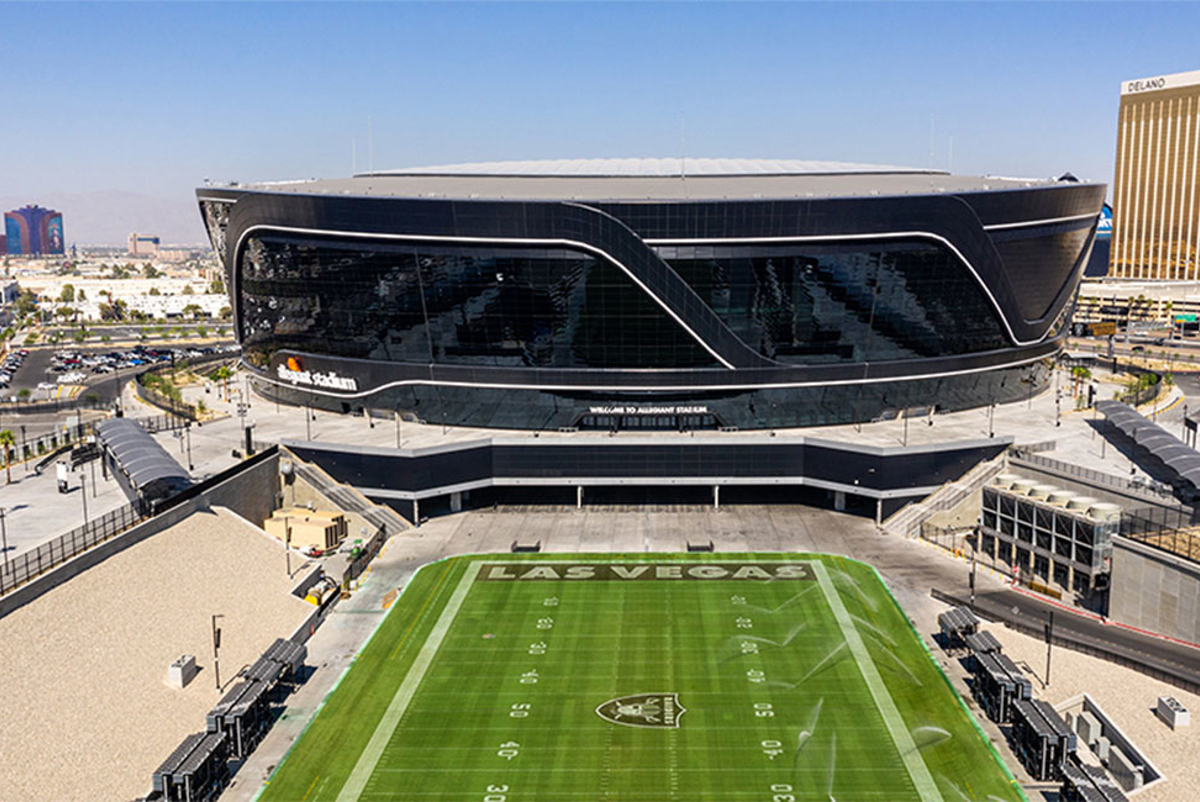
<point x="1166" y="656"/>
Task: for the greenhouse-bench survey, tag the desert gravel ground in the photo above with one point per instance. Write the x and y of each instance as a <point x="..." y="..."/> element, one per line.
<point x="87" y="711"/>
<point x="1128" y="698"/>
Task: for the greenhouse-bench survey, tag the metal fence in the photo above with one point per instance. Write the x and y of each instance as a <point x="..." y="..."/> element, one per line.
<point x="355" y="569"/>
<point x="26" y="566"/>
<point x="25" y="449"/>
<point x="153" y="397"/>
<point x="1089" y="476"/>
<point x="1175" y="530"/>
<point x="84" y="401"/>
<point x="23" y="567"/>
<point x="175" y="407"/>
<point x="162" y="423"/>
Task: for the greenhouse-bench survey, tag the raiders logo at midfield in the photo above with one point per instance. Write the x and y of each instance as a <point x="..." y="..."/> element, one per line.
<point x="653" y="710"/>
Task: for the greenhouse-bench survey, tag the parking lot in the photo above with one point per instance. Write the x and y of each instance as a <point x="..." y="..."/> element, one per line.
<point x="44" y="370"/>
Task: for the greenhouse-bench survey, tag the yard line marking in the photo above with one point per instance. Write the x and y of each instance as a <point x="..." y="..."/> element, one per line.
<point x="420" y="613"/>
<point x="918" y="772"/>
<point x="369" y="758"/>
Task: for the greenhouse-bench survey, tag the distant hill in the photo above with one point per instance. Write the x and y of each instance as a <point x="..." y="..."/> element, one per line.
<point x="107" y="217"/>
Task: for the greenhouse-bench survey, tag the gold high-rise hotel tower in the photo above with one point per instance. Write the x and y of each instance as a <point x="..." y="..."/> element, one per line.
<point x="1156" y="219"/>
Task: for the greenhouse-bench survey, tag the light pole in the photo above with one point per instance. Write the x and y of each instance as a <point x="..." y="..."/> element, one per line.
<point x="83" y="494"/>
<point x="187" y="428"/>
<point x="216" y="636"/>
<point x="398" y="438"/>
<point x="287" y="544"/>
<point x="24" y="453"/>
<point x="4" y="535"/>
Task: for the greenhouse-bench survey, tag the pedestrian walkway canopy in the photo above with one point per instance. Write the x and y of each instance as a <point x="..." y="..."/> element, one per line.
<point x="1179" y="461"/>
<point x="143" y="467"/>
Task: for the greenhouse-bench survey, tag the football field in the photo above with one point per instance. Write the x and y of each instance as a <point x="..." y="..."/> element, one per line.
<point x="765" y="677"/>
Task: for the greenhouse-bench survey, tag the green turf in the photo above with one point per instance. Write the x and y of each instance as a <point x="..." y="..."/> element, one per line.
<point x="805" y="687"/>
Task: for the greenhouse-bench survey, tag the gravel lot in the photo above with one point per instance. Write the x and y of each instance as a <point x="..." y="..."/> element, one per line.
<point x="1128" y="698"/>
<point x="88" y="714"/>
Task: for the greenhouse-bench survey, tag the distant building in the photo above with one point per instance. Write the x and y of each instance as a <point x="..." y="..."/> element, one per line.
<point x="1156" y="228"/>
<point x="143" y="244"/>
<point x="33" y="231"/>
<point x="1097" y="266"/>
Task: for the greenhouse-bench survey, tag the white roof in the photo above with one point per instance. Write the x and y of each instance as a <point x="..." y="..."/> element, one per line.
<point x="670" y="166"/>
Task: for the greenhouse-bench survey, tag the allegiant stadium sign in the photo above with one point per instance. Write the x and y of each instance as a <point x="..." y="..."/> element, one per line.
<point x="293" y="373"/>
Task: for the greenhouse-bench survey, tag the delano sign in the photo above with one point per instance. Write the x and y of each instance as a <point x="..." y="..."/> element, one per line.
<point x="632" y="572"/>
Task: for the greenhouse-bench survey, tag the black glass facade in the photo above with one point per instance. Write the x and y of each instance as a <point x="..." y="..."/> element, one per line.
<point x="423" y="303"/>
<point x="655" y="315"/>
<point x="814" y="304"/>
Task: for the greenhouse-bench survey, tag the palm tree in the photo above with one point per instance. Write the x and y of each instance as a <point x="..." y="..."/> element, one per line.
<point x="223" y="374"/>
<point x="7" y="442"/>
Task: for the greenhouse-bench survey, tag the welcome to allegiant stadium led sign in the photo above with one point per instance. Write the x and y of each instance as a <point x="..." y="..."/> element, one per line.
<point x="648" y="410"/>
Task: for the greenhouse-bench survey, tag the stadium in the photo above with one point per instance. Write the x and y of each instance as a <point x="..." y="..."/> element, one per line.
<point x="642" y="294"/>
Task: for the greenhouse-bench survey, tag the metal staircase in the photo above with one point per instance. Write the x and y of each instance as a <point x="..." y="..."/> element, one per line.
<point x="349" y="499"/>
<point x="907" y="521"/>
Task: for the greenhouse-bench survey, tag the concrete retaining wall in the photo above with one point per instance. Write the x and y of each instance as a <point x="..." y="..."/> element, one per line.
<point x="250" y="494"/>
<point x="1155" y="590"/>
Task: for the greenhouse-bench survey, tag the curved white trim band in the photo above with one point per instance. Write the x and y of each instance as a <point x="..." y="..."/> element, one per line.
<point x="644" y="389"/>
<point x="1049" y="221"/>
<point x="494" y="240"/>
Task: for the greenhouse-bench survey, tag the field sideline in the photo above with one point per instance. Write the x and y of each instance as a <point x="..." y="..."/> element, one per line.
<point x="643" y="677"/>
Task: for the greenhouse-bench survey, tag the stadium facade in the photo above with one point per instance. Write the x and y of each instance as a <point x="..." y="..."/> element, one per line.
<point x="652" y="293"/>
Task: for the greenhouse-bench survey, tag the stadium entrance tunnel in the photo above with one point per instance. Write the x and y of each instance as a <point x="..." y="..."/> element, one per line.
<point x="583" y="470"/>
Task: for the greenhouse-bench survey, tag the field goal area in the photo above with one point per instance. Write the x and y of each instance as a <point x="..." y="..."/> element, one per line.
<point x="765" y="677"/>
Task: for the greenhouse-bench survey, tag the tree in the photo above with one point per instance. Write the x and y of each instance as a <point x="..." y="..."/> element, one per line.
<point x="1080" y="375"/>
<point x="222" y="374"/>
<point x="217" y="287"/>
<point x="226" y="312"/>
<point x="7" y="442"/>
<point x="117" y="310"/>
<point x="27" y="303"/>
<point x="188" y="290"/>
<point x="201" y="331"/>
<point x="24" y="393"/>
<point x="192" y="310"/>
<point x="149" y="271"/>
<point x="154" y="291"/>
<point x="67" y="296"/>
<point x="81" y="295"/>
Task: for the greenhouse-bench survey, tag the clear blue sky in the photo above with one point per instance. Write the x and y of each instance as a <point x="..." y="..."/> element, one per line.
<point x="153" y="98"/>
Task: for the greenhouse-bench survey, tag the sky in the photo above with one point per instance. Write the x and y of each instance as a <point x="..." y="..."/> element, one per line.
<point x="154" y="98"/>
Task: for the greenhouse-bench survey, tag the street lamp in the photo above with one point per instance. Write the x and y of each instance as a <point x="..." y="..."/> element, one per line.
<point x="187" y="428"/>
<point x="287" y="544"/>
<point x="83" y="494"/>
<point x="4" y="535"/>
<point x="216" y="636"/>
